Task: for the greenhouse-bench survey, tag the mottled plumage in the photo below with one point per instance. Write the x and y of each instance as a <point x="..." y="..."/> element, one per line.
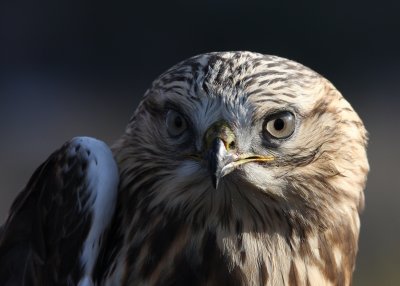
<point x="56" y="225"/>
<point x="236" y="169"/>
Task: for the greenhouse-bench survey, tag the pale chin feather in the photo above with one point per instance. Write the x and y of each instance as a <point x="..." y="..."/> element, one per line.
<point x="264" y="179"/>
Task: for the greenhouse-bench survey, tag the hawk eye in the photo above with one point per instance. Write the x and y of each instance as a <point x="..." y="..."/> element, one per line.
<point x="176" y="123"/>
<point x="280" y="125"/>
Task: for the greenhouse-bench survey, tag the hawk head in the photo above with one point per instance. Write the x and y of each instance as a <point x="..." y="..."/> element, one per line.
<point x="248" y="143"/>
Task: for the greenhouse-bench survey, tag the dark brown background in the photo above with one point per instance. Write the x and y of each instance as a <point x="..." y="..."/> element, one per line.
<point x="71" y="68"/>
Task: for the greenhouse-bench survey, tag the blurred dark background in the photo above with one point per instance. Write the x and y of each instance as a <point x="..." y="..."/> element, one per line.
<point x="71" y="68"/>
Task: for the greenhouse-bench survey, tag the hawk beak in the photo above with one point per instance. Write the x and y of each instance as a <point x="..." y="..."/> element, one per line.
<point x="218" y="158"/>
<point x="220" y="152"/>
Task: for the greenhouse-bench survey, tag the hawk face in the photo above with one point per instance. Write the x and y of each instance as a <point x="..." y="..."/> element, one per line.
<point x="247" y="131"/>
<point x="248" y="144"/>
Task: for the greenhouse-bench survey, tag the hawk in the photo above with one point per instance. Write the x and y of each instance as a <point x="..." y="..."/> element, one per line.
<point x="237" y="168"/>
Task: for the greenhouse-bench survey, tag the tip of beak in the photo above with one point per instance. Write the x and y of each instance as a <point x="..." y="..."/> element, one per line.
<point x="215" y="181"/>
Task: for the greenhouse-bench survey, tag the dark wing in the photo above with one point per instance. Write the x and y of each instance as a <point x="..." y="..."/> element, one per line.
<point x="56" y="224"/>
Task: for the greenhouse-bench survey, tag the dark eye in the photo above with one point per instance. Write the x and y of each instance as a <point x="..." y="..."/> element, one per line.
<point x="176" y="123"/>
<point x="280" y="126"/>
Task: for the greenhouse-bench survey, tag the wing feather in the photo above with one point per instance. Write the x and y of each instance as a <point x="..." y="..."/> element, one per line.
<point x="56" y="224"/>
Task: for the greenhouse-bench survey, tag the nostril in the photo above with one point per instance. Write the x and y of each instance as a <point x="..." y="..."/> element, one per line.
<point x="221" y="130"/>
<point x="232" y="145"/>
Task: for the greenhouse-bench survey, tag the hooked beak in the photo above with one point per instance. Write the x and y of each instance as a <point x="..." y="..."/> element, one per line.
<point x="220" y="157"/>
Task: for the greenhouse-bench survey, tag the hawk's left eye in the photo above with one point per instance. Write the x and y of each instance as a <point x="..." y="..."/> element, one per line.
<point x="280" y="126"/>
<point x="176" y="123"/>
